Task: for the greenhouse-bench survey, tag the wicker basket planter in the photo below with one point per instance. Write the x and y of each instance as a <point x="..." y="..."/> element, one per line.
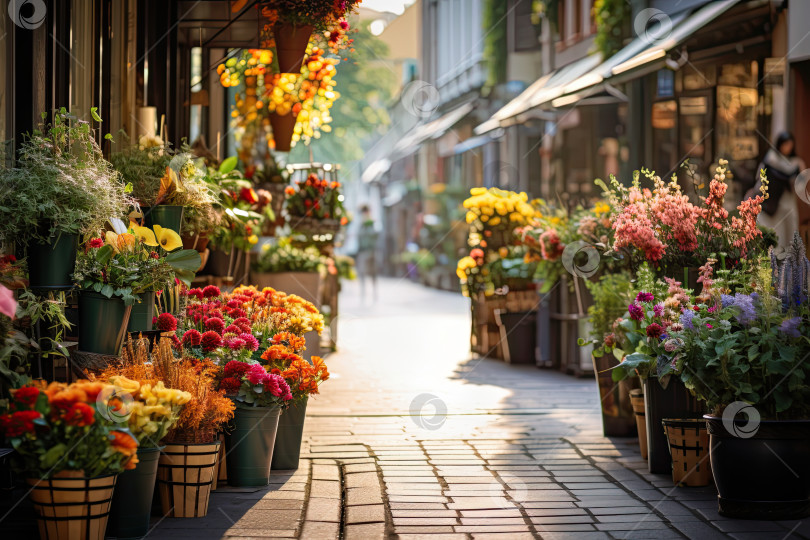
<point x="71" y="506"/>
<point x="689" y="447"/>
<point x="637" y="400"/>
<point x="185" y="477"/>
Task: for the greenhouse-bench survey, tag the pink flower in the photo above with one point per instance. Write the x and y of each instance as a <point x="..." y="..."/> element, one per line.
<point x="8" y="305"/>
<point x="235" y="344"/>
<point x="256" y="375"/>
<point x="251" y="343"/>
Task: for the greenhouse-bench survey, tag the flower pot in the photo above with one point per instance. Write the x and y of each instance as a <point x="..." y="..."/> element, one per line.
<point x="102" y="323"/>
<point x="69" y="506"/>
<point x="250" y="445"/>
<point x="288" y="439"/>
<point x="185" y="474"/>
<point x="283" y="127"/>
<point x="168" y="216"/>
<point x="764" y="475"/>
<point x="307" y="285"/>
<point x="674" y="401"/>
<point x="225" y="263"/>
<point x="140" y="317"/>
<point x="518" y="331"/>
<point x="197" y="242"/>
<point x="637" y="400"/>
<point x="689" y="447"/>
<point x="291" y="46"/>
<point x="618" y="418"/>
<point x="132" y="502"/>
<point x="50" y="265"/>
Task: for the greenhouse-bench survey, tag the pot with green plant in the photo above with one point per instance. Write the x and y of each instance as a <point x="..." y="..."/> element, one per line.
<point x="611" y="295"/>
<point x="291" y="269"/>
<point x="745" y="356"/>
<point x="113" y="271"/>
<point x="61" y="187"/>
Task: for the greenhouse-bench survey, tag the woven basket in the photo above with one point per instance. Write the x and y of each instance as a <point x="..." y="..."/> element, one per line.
<point x="321" y="230"/>
<point x="689" y="446"/>
<point x="637" y="400"/>
<point x="185" y="477"/>
<point x="72" y="507"/>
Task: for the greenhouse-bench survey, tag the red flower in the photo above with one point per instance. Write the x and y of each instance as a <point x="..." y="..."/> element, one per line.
<point x="96" y="243"/>
<point x="243" y="323"/>
<point x="215" y="324"/>
<point x="235" y="368"/>
<point x="239" y="314"/>
<point x="166" y="322"/>
<point x="654" y="330"/>
<point x="80" y="414"/>
<point x="18" y="423"/>
<point x="248" y="195"/>
<point x="26" y="396"/>
<point x="211" y="291"/>
<point x="210" y="341"/>
<point x="230" y="385"/>
<point x="192" y="338"/>
<point x="196" y="292"/>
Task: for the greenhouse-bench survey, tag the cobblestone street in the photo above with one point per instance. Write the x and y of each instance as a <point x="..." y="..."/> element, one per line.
<point x="413" y="438"/>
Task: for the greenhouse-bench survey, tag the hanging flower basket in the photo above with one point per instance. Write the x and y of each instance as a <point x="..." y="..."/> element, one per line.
<point x="283" y="127"/>
<point x="315" y="228"/>
<point x="291" y="46"/>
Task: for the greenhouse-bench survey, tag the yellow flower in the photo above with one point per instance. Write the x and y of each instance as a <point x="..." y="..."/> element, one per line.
<point x="167" y="238"/>
<point x="127" y="385"/>
<point x="146" y="235"/>
<point x="495" y="221"/>
<point x="253" y="239"/>
<point x="120" y="242"/>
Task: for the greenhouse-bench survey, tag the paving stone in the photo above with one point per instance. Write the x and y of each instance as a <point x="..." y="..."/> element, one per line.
<point x="424" y="513"/>
<point x="430" y="532"/>
<point x="356" y="496"/>
<point x="416" y="506"/>
<point x="323" y="488"/>
<point x="367" y="531"/>
<point x="268" y="519"/>
<point x="400" y="521"/>
<point x="439" y="536"/>
<point x="494" y="521"/>
<point x="322" y="509"/>
<point x="491" y="529"/>
<point x="493" y="513"/>
<point x="359" y="467"/>
<point x="326" y="472"/>
<point x="366" y="479"/>
<point x="248" y="533"/>
<point x="370" y="513"/>
<point x="320" y="529"/>
<point x="503" y="536"/>
<point x="553" y="520"/>
<point x="563" y="527"/>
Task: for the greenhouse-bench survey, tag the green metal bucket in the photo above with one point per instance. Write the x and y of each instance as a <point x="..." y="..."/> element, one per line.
<point x="50" y="265"/>
<point x="102" y="323"/>
<point x="132" y="499"/>
<point x="288" y="438"/>
<point x="249" y="445"/>
<point x="167" y="216"/>
<point x="140" y="319"/>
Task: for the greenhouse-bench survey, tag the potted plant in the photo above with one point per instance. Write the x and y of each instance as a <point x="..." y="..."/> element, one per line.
<point x="745" y="357"/>
<point x="71" y="452"/>
<point x="291" y="269"/>
<point x="149" y="410"/>
<point x="114" y="271"/>
<point x="260" y="398"/>
<point x="293" y="26"/>
<point x="61" y="188"/>
<point x="315" y="208"/>
<point x="187" y="465"/>
<point x="304" y="378"/>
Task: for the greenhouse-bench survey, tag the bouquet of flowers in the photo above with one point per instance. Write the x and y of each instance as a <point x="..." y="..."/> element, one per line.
<point x="493" y="215"/>
<point x="67" y="428"/>
<point x="283" y="358"/>
<point x="251" y="385"/>
<point x="316" y="198"/>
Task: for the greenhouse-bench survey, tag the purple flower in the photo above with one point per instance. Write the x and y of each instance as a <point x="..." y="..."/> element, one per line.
<point x="726" y="300"/>
<point x="636" y="311"/>
<point x="790" y="327"/>
<point x="644" y="297"/>
<point x="686" y="319"/>
<point x="658" y="310"/>
<point x="747" y="311"/>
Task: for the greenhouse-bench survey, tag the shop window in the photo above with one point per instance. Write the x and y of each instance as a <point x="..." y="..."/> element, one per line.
<point x="695" y="131"/>
<point x="692" y="77"/>
<point x="665" y="145"/>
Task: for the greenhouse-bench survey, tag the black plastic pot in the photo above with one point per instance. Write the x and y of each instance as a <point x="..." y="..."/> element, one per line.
<point x="168" y="216"/>
<point x="673" y="402"/>
<point x="618" y="418"/>
<point x="764" y="475"/>
<point x="102" y="323"/>
<point x="519" y="328"/>
<point x="140" y="318"/>
<point x="250" y="445"/>
<point x="132" y="499"/>
<point x="50" y="265"/>
<point x="288" y="439"/>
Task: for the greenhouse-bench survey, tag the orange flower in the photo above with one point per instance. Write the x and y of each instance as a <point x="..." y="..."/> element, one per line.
<point x="125" y="444"/>
<point x="91" y="388"/>
<point x="320" y="367"/>
<point x="290" y="340"/>
<point x="65" y="399"/>
<point x="80" y="414"/>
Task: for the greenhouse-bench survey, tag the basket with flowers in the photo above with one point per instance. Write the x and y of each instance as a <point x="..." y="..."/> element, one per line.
<point x="71" y="450"/>
<point x="493" y="215"/>
<point x="315" y="206"/>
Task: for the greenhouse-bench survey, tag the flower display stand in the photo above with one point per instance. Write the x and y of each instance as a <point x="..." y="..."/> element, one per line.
<point x="486" y="337"/>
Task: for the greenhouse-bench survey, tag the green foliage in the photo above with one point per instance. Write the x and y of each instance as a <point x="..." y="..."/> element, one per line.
<point x="142" y="166"/>
<point x="612" y="19"/>
<point x="284" y="257"/>
<point x="62" y="184"/>
<point x="611" y="295"/>
<point x="495" y="29"/>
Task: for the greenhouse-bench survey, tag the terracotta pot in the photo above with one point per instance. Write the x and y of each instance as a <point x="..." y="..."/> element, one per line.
<point x="198" y="242"/>
<point x="283" y="127"/>
<point x="689" y="448"/>
<point x="71" y="506"/>
<point x="291" y="46"/>
<point x="185" y="477"/>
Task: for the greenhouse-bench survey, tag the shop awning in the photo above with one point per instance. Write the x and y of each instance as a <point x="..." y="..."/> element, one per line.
<point x="471" y="144"/>
<point x="375" y="170"/>
<point x="433" y="129"/>
<point x="590" y="76"/>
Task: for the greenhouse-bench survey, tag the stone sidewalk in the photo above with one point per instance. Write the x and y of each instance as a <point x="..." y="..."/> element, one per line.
<point x="412" y="438"/>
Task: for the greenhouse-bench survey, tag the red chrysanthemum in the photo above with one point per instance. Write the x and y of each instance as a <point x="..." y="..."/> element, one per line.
<point x="192" y="338"/>
<point x="210" y="341"/>
<point x="26" y="396"/>
<point x="211" y="291"/>
<point x="215" y="324"/>
<point x="655" y="330"/>
<point x="166" y="322"/>
<point x="230" y="385"/>
<point x="196" y="292"/>
<point x="251" y="343"/>
<point x="238" y="313"/>
<point x="235" y="368"/>
<point x="18" y="423"/>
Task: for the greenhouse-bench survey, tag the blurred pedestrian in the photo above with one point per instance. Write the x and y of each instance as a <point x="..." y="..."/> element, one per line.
<point x="367" y="252"/>
<point x="780" y="211"/>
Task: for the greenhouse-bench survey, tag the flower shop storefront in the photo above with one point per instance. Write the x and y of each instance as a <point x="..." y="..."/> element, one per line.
<point x="162" y="305"/>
